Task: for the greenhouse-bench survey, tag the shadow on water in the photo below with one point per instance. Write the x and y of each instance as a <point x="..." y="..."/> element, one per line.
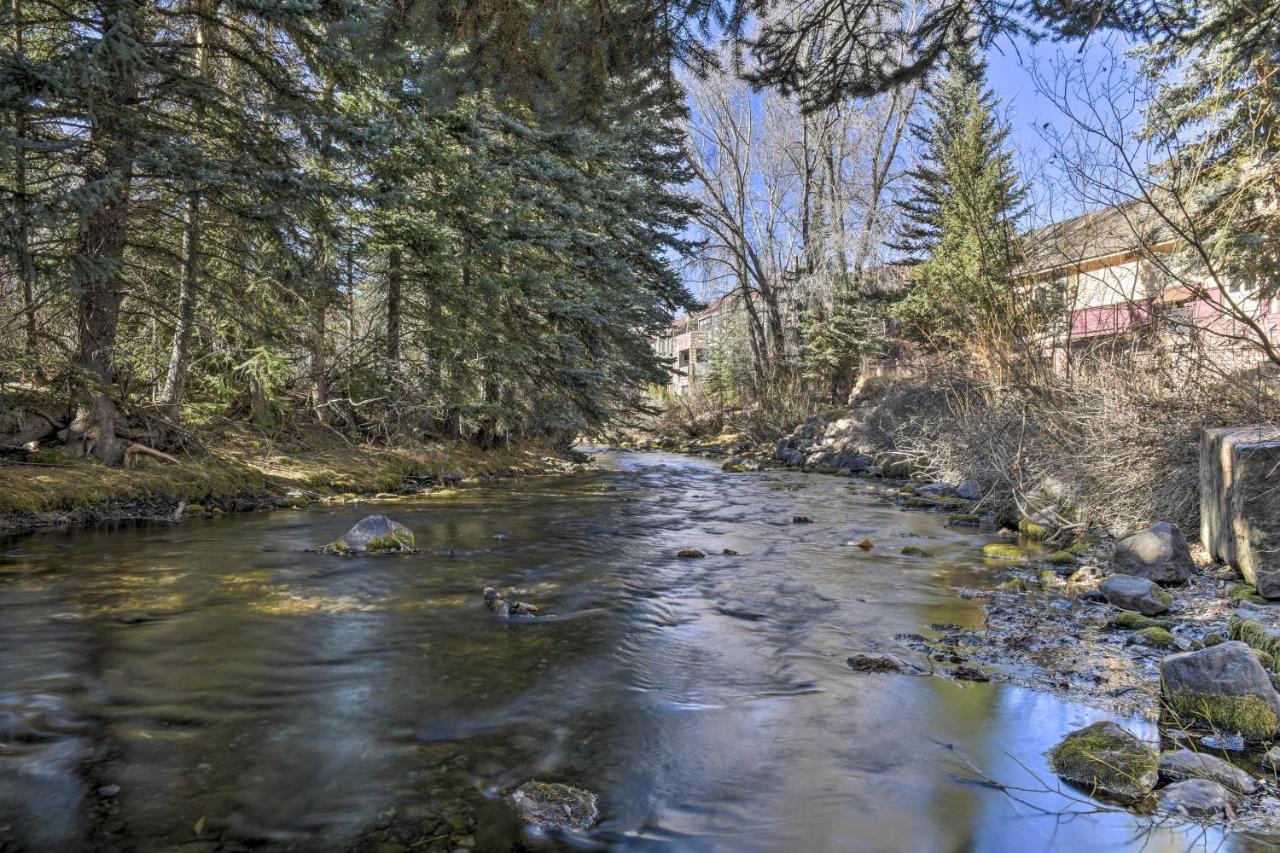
<point x="212" y="685"/>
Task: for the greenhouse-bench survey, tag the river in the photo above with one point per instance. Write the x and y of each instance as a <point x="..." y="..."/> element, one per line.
<point x="211" y="685"/>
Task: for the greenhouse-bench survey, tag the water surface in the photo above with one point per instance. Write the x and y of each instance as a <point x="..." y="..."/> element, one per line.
<point x="212" y="686"/>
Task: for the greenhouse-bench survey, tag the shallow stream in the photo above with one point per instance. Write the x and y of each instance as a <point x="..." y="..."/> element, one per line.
<point x="211" y="685"/>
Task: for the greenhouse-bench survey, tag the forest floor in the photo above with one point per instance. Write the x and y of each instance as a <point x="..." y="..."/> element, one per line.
<point x="239" y="471"/>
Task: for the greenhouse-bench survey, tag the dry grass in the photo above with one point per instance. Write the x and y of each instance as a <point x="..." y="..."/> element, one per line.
<point x="1113" y="447"/>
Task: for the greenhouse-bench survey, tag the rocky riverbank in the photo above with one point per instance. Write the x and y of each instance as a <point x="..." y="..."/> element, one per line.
<point x="244" y="473"/>
<point x="1113" y="617"/>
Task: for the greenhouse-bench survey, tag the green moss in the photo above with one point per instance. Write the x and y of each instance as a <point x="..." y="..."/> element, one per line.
<point x="1003" y="551"/>
<point x="1117" y="766"/>
<point x="1031" y="530"/>
<point x="1127" y="620"/>
<point x="1061" y="558"/>
<point x="908" y="490"/>
<point x="1265" y="658"/>
<point x="901" y="468"/>
<point x="1213" y="638"/>
<point x="1155" y="637"/>
<point x="1253" y="634"/>
<point x="1241" y="592"/>
<point x="1083" y="545"/>
<point x="1048" y="577"/>
<point x="964" y="518"/>
<point x="913" y="551"/>
<point x="1251" y="716"/>
<point x="920" y="503"/>
<point x="1013" y="585"/>
<point x="1163" y="597"/>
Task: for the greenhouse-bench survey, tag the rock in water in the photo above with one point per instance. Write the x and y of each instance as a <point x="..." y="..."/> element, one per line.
<point x="877" y="662"/>
<point x="969" y="490"/>
<point x="505" y="607"/>
<point x="1158" y="553"/>
<point x="1184" y="764"/>
<point x="690" y="553"/>
<point x="1133" y="593"/>
<point x="1199" y="798"/>
<point x="376" y="534"/>
<point x="1105" y="759"/>
<point x="546" y="805"/>
<point x="1223" y="686"/>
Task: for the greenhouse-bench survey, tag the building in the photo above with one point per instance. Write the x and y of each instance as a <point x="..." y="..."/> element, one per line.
<point x="1107" y="277"/>
<point x="686" y="344"/>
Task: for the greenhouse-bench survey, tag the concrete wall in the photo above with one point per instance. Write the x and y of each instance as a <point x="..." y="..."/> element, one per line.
<point x="1240" y="501"/>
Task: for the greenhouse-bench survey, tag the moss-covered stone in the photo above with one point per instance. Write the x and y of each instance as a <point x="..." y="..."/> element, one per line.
<point x="1251" y="716"/>
<point x="1154" y="637"/>
<point x="968" y="519"/>
<point x="1050" y="578"/>
<point x="1108" y="761"/>
<point x="1033" y="530"/>
<point x="1061" y="558"/>
<point x="1127" y="620"/>
<point x="1013" y="585"/>
<point x="1243" y="592"/>
<point x="1253" y="634"/>
<point x="900" y="468"/>
<point x="1265" y="658"/>
<point x="1004" y="551"/>
<point x="914" y="551"/>
<point x="1083" y="545"/>
<point x="1213" y="638"/>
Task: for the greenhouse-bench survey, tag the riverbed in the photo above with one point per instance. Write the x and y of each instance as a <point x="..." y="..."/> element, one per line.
<point x="212" y="685"/>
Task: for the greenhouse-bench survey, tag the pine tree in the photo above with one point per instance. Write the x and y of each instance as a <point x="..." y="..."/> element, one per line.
<point x="962" y="212"/>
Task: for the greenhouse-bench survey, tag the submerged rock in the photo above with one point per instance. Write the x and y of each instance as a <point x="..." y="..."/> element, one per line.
<point x="375" y="534"/>
<point x="1107" y="760"/>
<point x="1184" y="764"/>
<point x="1223" y="686"/>
<point x="1133" y="593"/>
<point x="505" y="607"/>
<point x="690" y="553"/>
<point x="879" y="662"/>
<point x="1158" y="553"/>
<point x="1199" y="798"/>
<point x="547" y="805"/>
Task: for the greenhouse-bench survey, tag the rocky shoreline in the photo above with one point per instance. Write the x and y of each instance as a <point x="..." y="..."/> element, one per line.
<point x="1114" y="619"/>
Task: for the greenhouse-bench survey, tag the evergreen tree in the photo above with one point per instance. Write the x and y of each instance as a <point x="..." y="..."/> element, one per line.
<point x="962" y="211"/>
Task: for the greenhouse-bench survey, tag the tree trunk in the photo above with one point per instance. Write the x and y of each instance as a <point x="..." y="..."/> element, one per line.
<point x="319" y="390"/>
<point x="22" y="237"/>
<point x="98" y="267"/>
<point x="180" y="350"/>
<point x="395" y="280"/>
<point x="189" y="282"/>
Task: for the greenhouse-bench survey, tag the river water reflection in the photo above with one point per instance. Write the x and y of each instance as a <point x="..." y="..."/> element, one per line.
<point x="212" y="686"/>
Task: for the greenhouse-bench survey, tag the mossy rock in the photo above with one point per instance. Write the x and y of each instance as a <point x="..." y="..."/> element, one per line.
<point x="375" y="534"/>
<point x="1048" y="577"/>
<point x="1251" y="716"/>
<point x="914" y="551"/>
<point x="1061" y="558"/>
<point x="1265" y="658"/>
<point x="1253" y="634"/>
<point x="907" y="490"/>
<point x="1243" y="592"/>
<point x="1032" y="530"/>
<point x="1004" y="551"/>
<point x="1154" y="637"/>
<point x="921" y="503"/>
<point x="193" y="509"/>
<point x="965" y="519"/>
<point x="1013" y="585"/>
<point x="1127" y="620"/>
<point x="1213" y="638"/>
<point x="1107" y="761"/>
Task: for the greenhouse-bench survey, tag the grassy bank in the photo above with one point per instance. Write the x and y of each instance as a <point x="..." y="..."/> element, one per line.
<point x="244" y="472"/>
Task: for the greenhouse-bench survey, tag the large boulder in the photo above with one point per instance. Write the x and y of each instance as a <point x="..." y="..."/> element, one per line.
<point x="1108" y="761"/>
<point x="1133" y="593"/>
<point x="1199" y="798"/>
<point x="550" y="805"/>
<point x="969" y="490"/>
<point x="1222" y="686"/>
<point x="1158" y="553"/>
<point x="1183" y="764"/>
<point x="375" y="534"/>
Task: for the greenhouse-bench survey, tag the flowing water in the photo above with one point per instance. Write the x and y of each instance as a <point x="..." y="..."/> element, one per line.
<point x="213" y="686"/>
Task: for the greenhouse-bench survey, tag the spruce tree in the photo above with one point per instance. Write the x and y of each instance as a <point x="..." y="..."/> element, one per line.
<point x="965" y="201"/>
